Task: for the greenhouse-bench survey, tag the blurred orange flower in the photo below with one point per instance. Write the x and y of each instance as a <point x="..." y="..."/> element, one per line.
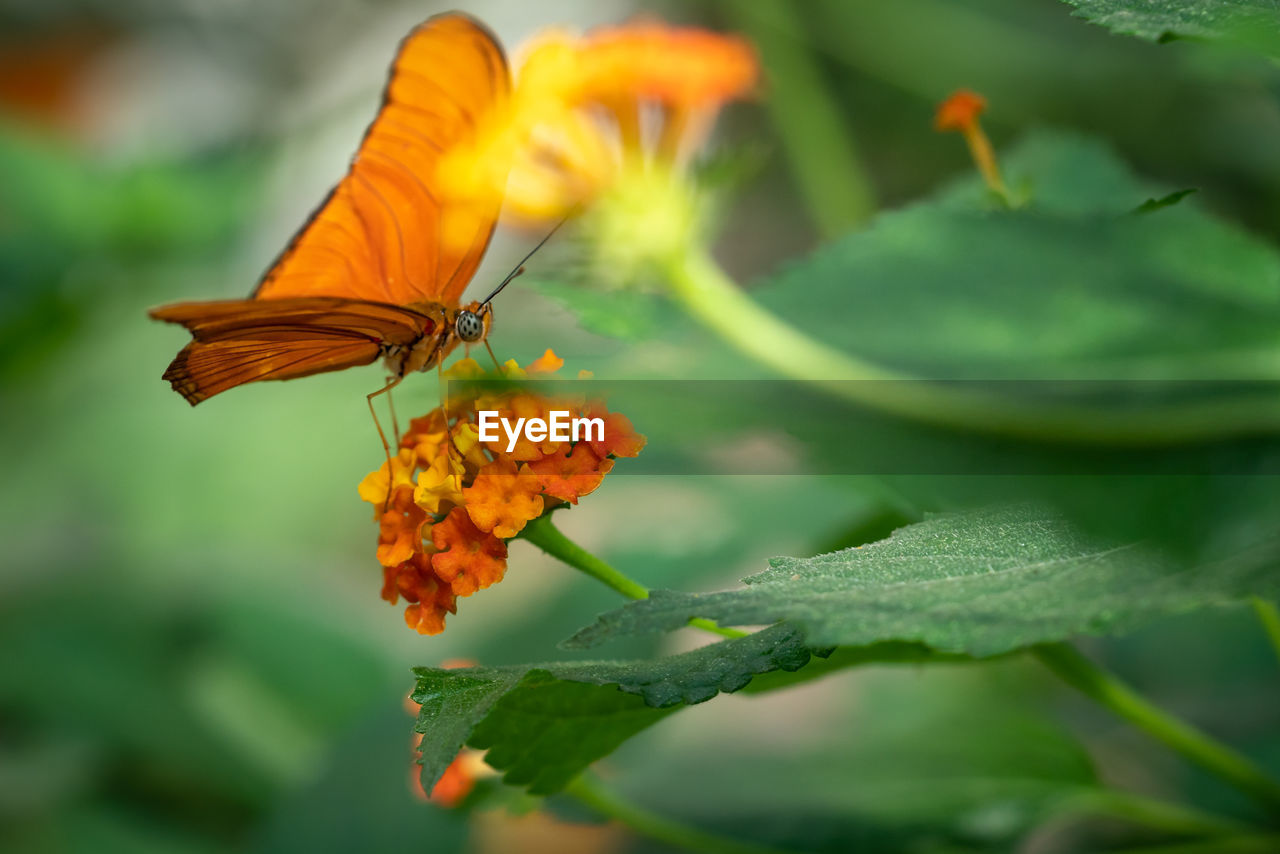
<point x="460" y="777"/>
<point x="587" y="108"/>
<point x="683" y="67"/>
<point x="448" y="502"/>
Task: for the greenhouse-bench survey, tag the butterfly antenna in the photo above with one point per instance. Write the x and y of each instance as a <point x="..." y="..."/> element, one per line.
<point x="519" y="268"/>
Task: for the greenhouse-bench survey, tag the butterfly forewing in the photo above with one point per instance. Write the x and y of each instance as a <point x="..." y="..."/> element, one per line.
<point x="384" y="233"/>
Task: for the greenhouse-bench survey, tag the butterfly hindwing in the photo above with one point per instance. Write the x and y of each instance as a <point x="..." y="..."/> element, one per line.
<point x="240" y="341"/>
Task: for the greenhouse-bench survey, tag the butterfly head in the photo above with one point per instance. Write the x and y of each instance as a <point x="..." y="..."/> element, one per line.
<point x="471" y="324"/>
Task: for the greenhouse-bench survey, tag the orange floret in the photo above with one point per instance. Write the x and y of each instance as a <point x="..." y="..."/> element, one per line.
<point x="377" y="484"/>
<point x="547" y="363"/>
<point x="466" y="557"/>
<point x="569" y="475"/>
<point x="620" y="437"/>
<point x="502" y="500"/>
<point x="429" y="597"/>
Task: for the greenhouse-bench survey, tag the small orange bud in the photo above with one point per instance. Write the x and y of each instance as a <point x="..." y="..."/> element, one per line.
<point x="959" y="111"/>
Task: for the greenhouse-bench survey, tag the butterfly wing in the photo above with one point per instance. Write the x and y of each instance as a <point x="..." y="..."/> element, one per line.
<point x="241" y="341"/>
<point x="380" y="241"/>
<point x="383" y="234"/>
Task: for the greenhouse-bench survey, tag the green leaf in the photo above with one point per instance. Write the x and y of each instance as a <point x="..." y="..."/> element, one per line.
<point x="544" y="724"/>
<point x="844" y="657"/>
<point x="1067" y="286"/>
<point x="626" y="314"/>
<point x="1054" y="172"/>
<point x="981" y="582"/>
<point x="545" y="731"/>
<point x="1151" y="205"/>
<point x="1250" y="23"/>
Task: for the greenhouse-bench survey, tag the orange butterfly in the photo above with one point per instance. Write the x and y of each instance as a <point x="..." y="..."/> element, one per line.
<point x="370" y="273"/>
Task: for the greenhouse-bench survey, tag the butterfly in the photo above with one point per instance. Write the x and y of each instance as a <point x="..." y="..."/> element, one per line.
<point x="371" y="273"/>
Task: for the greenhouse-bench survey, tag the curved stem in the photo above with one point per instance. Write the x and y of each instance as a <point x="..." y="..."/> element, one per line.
<point x="1248" y="844"/>
<point x="543" y="533"/>
<point x="984" y="157"/>
<point x="588" y="791"/>
<point x="1269" y="616"/>
<point x="1149" y="813"/>
<point x="1105" y="689"/>
<point x="714" y="299"/>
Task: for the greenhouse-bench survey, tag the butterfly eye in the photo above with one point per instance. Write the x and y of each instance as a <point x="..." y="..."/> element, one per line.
<point x="469" y="326"/>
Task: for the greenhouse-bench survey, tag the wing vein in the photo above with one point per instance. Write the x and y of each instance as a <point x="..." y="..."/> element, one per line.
<point x="368" y="235"/>
<point x="415" y="133"/>
<point x="395" y="221"/>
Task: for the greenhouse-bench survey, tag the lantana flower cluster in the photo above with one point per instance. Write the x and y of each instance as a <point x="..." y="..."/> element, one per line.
<point x="447" y="503"/>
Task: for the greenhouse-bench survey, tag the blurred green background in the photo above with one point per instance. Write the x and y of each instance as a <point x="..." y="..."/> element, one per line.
<point x="195" y="654"/>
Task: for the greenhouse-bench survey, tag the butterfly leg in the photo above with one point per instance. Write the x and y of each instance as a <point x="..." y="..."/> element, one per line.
<point x="444" y="408"/>
<point x="395" y="422"/>
<point x="444" y="392"/>
<point x="392" y="382"/>
<point x="496" y="364"/>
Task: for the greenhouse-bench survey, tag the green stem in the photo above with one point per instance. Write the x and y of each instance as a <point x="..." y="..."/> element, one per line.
<point x="543" y="533"/>
<point x="819" y="148"/>
<point x="1247" y="844"/>
<point x="714" y="299"/>
<point x="1105" y="689"/>
<point x="1269" y="615"/>
<point x="1146" y="812"/>
<point x="589" y="792"/>
<point x="716" y="629"/>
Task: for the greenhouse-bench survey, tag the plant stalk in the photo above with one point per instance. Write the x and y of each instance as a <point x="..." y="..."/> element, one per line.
<point x="819" y="148"/>
<point x="1108" y="691"/>
<point x="543" y="533"/>
<point x="1152" y="814"/>
<point x="709" y="295"/>
<point x="1269" y="616"/>
<point x="1244" y="844"/>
